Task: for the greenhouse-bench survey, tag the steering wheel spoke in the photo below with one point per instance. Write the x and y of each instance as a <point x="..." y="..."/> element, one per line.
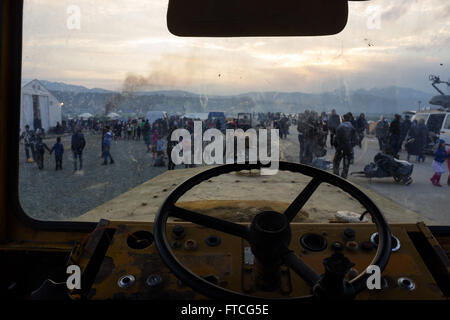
<point x="210" y="222"/>
<point x="301" y="268"/>
<point x="302" y="198"/>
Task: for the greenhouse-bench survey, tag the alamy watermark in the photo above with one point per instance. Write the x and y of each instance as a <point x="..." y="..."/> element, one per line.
<point x="208" y="147"/>
<point x="74" y="17"/>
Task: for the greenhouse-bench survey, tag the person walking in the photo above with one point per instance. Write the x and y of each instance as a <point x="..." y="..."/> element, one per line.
<point x="344" y="141"/>
<point x="107" y="147"/>
<point x="40" y="148"/>
<point x="155" y="138"/>
<point x="170" y="145"/>
<point x="333" y="122"/>
<point x="438" y="163"/>
<point x="381" y="132"/>
<point x="59" y="151"/>
<point x="404" y="129"/>
<point x="421" y="139"/>
<point x="29" y="140"/>
<point x="394" y="136"/>
<point x="361" y="127"/>
<point x="146" y="133"/>
<point x="77" y="146"/>
<point x="138" y="132"/>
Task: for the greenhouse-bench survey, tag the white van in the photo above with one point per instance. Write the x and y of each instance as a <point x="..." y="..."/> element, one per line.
<point x="437" y="122"/>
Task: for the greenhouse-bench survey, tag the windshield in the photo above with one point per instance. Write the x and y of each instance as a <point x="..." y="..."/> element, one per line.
<point x="108" y="94"/>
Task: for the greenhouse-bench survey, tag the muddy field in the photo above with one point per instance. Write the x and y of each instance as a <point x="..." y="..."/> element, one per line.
<point x="64" y="194"/>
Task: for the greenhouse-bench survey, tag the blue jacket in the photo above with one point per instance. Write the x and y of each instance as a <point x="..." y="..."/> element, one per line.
<point x="58" y="148"/>
<point x="107" y="139"/>
<point x="440" y="155"/>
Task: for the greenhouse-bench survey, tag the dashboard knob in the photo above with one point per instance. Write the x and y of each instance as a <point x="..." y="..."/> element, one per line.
<point x="178" y="232"/>
<point x="348" y="234"/>
<point x="367" y="246"/>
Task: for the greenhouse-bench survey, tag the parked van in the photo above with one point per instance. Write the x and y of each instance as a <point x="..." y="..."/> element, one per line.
<point x="438" y="124"/>
<point x="214" y="116"/>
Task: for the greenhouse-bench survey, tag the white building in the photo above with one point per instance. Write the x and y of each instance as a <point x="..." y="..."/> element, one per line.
<point x="38" y="107"/>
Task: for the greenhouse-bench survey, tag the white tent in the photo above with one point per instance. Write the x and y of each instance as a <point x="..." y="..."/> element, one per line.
<point x="86" y="115"/>
<point x="38" y="107"/>
<point x="152" y="116"/>
<point x="199" y="115"/>
<point x="113" y="115"/>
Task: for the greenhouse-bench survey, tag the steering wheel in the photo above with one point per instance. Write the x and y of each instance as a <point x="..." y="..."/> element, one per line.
<point x="269" y="234"/>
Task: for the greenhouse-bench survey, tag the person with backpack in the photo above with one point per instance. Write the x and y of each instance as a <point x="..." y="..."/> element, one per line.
<point x="77" y="146"/>
<point x="334" y="121"/>
<point x="344" y="140"/>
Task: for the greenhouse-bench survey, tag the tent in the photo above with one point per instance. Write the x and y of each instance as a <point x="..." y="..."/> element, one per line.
<point x="152" y="116"/>
<point x="86" y="115"/>
<point x="38" y="107"/>
<point x="113" y="115"/>
<point x="199" y="115"/>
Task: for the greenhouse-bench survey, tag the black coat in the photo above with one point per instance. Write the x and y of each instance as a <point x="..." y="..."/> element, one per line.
<point x="417" y="139"/>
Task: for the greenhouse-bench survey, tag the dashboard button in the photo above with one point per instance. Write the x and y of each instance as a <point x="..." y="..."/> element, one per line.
<point x="348" y="234"/>
<point x="352" y="245"/>
<point x="338" y="246"/>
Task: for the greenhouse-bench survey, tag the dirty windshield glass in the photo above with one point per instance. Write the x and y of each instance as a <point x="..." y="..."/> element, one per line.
<point x="116" y="113"/>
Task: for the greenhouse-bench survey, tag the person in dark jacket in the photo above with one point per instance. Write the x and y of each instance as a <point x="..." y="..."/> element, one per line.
<point x="333" y="122"/>
<point x="361" y="126"/>
<point x="40" y="148"/>
<point x="343" y="142"/>
<point x="394" y="136"/>
<point x="77" y="146"/>
<point x="301" y="128"/>
<point x="59" y="151"/>
<point x="381" y="132"/>
<point x="421" y="139"/>
<point x="404" y="129"/>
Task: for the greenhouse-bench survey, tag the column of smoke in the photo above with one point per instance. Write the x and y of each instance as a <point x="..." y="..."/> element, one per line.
<point x="169" y="72"/>
<point x="130" y="86"/>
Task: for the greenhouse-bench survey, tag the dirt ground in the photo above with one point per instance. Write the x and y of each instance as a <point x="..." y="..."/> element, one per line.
<point x="238" y="196"/>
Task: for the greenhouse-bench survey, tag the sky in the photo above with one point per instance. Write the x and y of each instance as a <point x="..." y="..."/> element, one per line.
<point x="121" y="45"/>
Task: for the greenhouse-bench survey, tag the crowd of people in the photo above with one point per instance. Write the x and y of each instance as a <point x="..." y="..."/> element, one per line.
<point x="345" y="133"/>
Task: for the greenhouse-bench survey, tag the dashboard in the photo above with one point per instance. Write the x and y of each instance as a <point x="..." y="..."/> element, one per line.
<point x="121" y="261"/>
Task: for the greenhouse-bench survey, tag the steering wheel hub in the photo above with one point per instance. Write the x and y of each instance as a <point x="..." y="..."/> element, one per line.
<point x="270" y="235"/>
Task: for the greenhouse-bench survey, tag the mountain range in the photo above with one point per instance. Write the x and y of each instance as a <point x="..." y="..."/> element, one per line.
<point x="388" y="100"/>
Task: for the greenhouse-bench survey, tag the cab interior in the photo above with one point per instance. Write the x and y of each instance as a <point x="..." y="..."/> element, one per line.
<point x="192" y="256"/>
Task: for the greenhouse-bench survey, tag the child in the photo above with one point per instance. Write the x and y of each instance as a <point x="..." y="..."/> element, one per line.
<point x="40" y="151"/>
<point x="438" y="164"/>
<point x="59" y="151"/>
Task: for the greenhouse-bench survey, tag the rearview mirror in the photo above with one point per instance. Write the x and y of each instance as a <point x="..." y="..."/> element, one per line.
<point x="249" y="18"/>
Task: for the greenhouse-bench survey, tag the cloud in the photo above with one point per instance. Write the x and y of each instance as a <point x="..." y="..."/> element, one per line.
<point x="129" y="40"/>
